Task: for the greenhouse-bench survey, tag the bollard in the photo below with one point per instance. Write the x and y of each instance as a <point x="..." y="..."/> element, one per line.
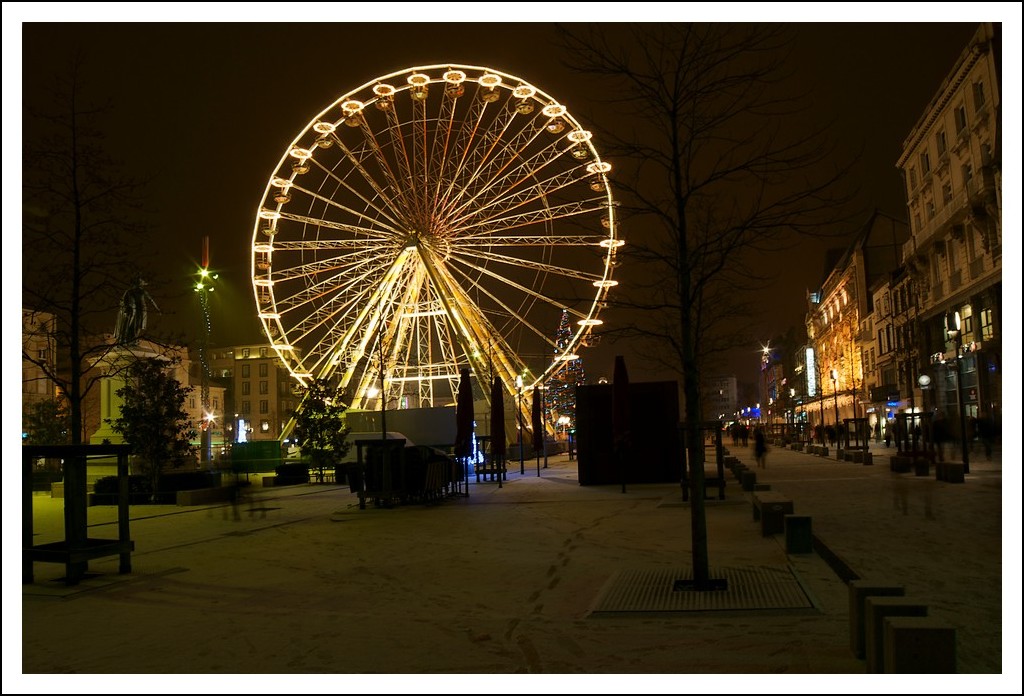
<point x="918" y="645"/>
<point x="859" y="590"/>
<point x="799" y="538"/>
<point x="876" y="609"/>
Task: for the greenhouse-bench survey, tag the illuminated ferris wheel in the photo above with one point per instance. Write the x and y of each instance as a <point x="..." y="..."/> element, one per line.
<point x="437" y="217"/>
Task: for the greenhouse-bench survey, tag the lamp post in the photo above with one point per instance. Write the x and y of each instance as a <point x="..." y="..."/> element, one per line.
<point x="835" y="396"/>
<point x="203" y="287"/>
<point x="956" y="337"/>
<point x="519" y="411"/>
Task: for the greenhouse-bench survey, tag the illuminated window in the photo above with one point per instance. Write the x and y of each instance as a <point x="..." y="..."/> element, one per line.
<point x="245" y="352"/>
<point x="264" y="426"/>
<point x="263" y="352"/>
<point x="985" y="320"/>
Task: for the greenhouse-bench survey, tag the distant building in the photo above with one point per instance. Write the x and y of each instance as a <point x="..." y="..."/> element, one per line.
<point x="38" y="351"/>
<point x="260" y="394"/>
<point x="720" y="398"/>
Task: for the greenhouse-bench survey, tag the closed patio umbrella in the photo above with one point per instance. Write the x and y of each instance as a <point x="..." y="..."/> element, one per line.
<point x="498" y="427"/>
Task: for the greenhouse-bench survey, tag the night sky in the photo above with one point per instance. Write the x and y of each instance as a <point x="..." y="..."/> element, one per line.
<point x="205" y="110"/>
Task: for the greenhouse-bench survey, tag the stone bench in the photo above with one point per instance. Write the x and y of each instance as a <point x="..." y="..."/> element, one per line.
<point x="918" y="645"/>
<point x="950" y="472"/>
<point x="799" y="537"/>
<point x="770" y="509"/>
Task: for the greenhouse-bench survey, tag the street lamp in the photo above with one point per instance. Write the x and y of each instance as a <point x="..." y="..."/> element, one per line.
<point x="956" y="337"/>
<point x="519" y="410"/>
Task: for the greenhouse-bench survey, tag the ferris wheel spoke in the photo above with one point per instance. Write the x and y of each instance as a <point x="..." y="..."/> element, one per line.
<point x="528" y="168"/>
<point x="400" y="181"/>
<point x="527" y="218"/>
<point x="534" y="240"/>
<point x="369" y="149"/>
<point x="479" y="335"/>
<point x="382" y="210"/>
<point x="524" y="263"/>
<point x="508" y="310"/>
<point x="501" y="204"/>
<point x="376" y="227"/>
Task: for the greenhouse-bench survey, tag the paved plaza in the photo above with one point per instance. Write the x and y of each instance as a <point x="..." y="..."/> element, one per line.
<point x="519" y="581"/>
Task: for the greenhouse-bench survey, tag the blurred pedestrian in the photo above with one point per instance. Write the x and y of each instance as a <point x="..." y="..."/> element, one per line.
<point x="986" y="429"/>
<point x="760" y="448"/>
<point x="940" y="434"/>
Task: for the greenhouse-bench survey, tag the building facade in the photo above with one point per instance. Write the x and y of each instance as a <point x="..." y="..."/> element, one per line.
<point x="952" y="167"/>
<point x="841" y="326"/>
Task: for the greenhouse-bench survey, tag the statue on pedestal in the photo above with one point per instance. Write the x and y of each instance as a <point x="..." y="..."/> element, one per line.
<point x="131" y="317"/>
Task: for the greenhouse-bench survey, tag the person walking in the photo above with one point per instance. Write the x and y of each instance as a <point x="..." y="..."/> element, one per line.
<point x="760" y="448"/>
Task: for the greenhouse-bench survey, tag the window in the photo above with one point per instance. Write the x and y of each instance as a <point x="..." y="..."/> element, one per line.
<point x="264" y="426"/>
<point x="947" y="193"/>
<point x="979" y="96"/>
<point x="960" y="118"/>
<point x="246" y="388"/>
<point x="985" y="321"/>
<point x="216" y="404"/>
<point x="246" y="407"/>
<point x="913" y="179"/>
<point x="966" y="320"/>
<point x="264" y="387"/>
<point x="245" y="352"/>
<point x="917" y="222"/>
<point x="263" y="352"/>
<point x="940" y="142"/>
<point x="968" y="173"/>
<point x="263" y="369"/>
<point x="245" y="371"/>
<point x="264" y="406"/>
<point x="930" y="209"/>
<point x="926" y="164"/>
<point x="192" y="402"/>
<point x="41" y="354"/>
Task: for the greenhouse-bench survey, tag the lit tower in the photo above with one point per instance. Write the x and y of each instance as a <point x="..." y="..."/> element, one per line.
<point x="561" y="390"/>
<point x="204" y="286"/>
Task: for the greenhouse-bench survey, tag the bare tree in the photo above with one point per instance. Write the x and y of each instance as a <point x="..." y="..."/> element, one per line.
<point x="81" y="243"/>
<point x="708" y="183"/>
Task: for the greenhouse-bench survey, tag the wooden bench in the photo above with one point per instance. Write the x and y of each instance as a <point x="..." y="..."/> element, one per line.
<point x="770" y="508"/>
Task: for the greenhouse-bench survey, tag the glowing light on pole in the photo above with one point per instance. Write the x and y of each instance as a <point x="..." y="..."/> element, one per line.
<point x="204" y="286"/>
